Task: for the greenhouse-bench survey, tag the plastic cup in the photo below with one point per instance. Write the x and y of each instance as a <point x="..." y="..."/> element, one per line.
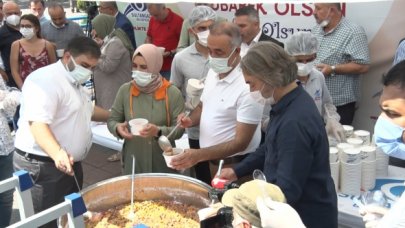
<point x="356" y="142"/>
<point x="169" y="155"/>
<point x="363" y="135"/>
<point x="348" y="130"/>
<point x="136" y="125"/>
<point x="59" y="53"/>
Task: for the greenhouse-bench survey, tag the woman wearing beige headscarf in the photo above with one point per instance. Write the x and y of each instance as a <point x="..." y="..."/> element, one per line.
<point x="114" y="66"/>
<point x="151" y="97"/>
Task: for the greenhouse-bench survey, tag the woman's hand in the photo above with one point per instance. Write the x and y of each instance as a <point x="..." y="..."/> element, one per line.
<point x="123" y="131"/>
<point x="150" y="130"/>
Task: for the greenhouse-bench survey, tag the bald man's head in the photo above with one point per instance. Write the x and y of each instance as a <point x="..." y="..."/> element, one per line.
<point x="10" y="9"/>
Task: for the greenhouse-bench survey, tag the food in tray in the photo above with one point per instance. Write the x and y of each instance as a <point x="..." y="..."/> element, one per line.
<point x="154" y="214"/>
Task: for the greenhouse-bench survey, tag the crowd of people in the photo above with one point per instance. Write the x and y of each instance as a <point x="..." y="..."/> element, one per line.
<point x="263" y="105"/>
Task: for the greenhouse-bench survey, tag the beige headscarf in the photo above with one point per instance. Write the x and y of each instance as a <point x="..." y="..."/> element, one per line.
<point x="154" y="61"/>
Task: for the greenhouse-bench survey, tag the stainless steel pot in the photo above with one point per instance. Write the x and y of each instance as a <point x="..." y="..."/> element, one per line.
<point x="150" y="186"/>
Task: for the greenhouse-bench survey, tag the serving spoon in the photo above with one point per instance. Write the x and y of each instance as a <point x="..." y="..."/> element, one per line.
<point x="164" y="142"/>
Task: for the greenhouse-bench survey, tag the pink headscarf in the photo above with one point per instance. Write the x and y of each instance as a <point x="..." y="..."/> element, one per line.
<point x="153" y="57"/>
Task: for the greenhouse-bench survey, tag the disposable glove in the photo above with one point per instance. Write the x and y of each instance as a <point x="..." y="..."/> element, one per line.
<point x="335" y="129"/>
<point x="275" y="214"/>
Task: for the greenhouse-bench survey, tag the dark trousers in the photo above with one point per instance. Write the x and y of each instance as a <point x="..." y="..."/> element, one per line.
<point x="6" y="198"/>
<point x="50" y="184"/>
<point x="346" y="113"/>
<point x="202" y="169"/>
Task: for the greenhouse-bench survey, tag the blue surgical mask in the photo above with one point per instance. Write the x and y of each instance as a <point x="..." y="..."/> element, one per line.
<point x="388" y="137"/>
<point x="220" y="65"/>
<point x="80" y="74"/>
<point x="142" y="78"/>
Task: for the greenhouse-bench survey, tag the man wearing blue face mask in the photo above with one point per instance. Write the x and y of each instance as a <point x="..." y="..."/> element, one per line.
<point x="389" y="136"/>
<point x="389" y="128"/>
<point x="54" y="132"/>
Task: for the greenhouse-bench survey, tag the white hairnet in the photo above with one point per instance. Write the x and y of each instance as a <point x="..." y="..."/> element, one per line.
<point x="200" y="14"/>
<point x="302" y="43"/>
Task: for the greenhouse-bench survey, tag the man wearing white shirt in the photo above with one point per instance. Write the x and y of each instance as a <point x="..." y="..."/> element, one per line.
<point x="227" y="115"/>
<point x="38" y="9"/>
<point x="248" y="21"/>
<point x="54" y="133"/>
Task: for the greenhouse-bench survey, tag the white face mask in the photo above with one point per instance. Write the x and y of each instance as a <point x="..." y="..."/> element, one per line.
<point x="220" y="65"/>
<point x="258" y="97"/>
<point x="13" y="20"/>
<point x="79" y="73"/>
<point x="304" y="68"/>
<point x="203" y="37"/>
<point x="27" y="33"/>
<point x="141" y="78"/>
<point x="326" y="21"/>
<point x="56" y="26"/>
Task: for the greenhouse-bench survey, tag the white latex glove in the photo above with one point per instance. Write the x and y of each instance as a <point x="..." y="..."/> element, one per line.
<point x="393" y="217"/>
<point x="12" y="100"/>
<point x="277" y="215"/>
<point x="372" y="215"/>
<point x="335" y="129"/>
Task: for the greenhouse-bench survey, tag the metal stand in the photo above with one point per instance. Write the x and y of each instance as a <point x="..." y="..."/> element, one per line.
<point x="73" y="206"/>
<point x="22" y="183"/>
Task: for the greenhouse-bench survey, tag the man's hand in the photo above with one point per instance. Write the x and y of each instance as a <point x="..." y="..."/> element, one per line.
<point x="185" y="122"/>
<point x="185" y="160"/>
<point x="150" y="130"/>
<point x="122" y="130"/>
<point x="64" y="162"/>
<point x="228" y="174"/>
<point x="325" y="69"/>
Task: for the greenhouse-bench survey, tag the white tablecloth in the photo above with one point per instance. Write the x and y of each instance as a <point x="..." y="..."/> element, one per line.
<point x="391" y="185"/>
<point x="103" y="137"/>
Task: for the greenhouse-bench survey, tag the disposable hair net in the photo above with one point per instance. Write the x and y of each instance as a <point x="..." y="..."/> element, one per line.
<point x="200" y="14"/>
<point x="302" y="43"/>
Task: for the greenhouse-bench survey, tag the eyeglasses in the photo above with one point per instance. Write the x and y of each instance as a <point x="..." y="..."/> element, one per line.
<point x="26" y="26"/>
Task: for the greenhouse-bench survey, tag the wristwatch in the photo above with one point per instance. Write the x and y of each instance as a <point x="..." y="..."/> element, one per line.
<point x="333" y="73"/>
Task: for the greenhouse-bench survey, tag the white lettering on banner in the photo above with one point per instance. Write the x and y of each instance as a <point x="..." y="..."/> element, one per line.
<point x="276" y="31"/>
<point x="234" y="7"/>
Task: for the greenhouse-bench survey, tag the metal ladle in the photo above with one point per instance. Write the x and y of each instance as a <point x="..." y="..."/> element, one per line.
<point x="164" y="142"/>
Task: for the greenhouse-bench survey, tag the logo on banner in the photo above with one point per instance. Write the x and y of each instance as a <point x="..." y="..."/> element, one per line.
<point x="138" y="7"/>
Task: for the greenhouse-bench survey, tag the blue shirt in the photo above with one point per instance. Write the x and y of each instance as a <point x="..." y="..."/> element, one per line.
<point x="295" y="157"/>
<point x="121" y="21"/>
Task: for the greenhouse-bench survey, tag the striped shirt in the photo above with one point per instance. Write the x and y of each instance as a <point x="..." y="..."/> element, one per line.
<point x="400" y="53"/>
<point x="344" y="44"/>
